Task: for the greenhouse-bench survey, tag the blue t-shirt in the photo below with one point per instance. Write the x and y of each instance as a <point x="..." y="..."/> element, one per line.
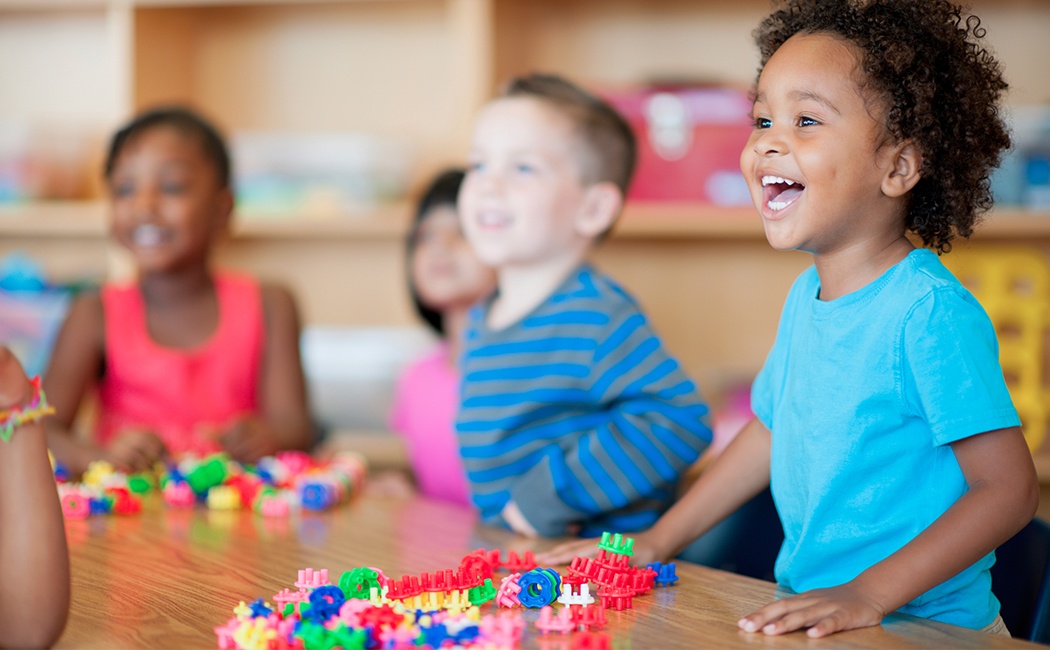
<point x="863" y="395"/>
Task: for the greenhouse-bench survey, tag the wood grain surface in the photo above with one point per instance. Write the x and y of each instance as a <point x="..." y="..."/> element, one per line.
<point x="166" y="578"/>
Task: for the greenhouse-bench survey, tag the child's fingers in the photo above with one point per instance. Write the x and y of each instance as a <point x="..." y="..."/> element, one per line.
<point x="756" y="621"/>
<point x="564" y="553"/>
<point x="834" y="622"/>
<point x="798" y="619"/>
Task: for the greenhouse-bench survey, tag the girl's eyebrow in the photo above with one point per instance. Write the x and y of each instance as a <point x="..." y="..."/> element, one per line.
<point x="799" y="95"/>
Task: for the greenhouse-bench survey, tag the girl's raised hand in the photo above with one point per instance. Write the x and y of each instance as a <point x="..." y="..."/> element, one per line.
<point x="821" y="612"/>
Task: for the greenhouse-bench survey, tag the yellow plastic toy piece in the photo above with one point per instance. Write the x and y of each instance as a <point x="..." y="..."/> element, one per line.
<point x="1013" y="286"/>
<point x="224" y="497"/>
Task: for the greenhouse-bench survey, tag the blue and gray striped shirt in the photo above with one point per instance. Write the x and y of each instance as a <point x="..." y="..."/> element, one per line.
<point x="576" y="413"/>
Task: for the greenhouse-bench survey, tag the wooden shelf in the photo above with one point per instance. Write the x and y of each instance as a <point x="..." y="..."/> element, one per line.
<point x="691" y="221"/>
<point x="66" y="219"/>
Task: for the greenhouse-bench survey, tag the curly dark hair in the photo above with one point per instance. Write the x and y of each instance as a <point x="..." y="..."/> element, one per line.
<point x="942" y="88"/>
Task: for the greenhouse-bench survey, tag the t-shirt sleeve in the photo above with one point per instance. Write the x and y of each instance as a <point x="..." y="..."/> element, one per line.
<point x="764" y="389"/>
<point x="951" y="372"/>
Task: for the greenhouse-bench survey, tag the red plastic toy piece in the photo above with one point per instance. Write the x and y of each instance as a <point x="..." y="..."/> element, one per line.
<point x="618" y="598"/>
<point x="124" y="503"/>
<point x="571" y="584"/>
<point x="514" y="564"/>
<point x="480" y="561"/>
<point x="642" y="580"/>
<point x="591" y="641"/>
<point x="588" y="618"/>
<point x="407" y="587"/>
<point x="380" y="617"/>
<point x="468" y="578"/>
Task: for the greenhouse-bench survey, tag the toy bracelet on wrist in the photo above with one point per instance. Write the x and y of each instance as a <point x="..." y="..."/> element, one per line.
<point x="16" y="416"/>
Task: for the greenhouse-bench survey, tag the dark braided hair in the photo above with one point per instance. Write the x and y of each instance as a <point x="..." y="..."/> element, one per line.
<point x="941" y="88"/>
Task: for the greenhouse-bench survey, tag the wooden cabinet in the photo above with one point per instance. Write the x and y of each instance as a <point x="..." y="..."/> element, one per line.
<point x="419" y="70"/>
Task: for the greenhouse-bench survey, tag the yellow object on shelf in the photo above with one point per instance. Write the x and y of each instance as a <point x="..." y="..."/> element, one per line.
<point x="1013" y="286"/>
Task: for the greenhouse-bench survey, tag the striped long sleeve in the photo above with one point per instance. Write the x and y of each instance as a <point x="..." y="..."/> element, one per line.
<point x="576" y="413"/>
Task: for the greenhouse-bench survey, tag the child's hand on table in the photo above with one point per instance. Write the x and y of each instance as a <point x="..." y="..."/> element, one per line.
<point x="645" y="551"/>
<point x="249" y="439"/>
<point x="135" y="450"/>
<point x="822" y="611"/>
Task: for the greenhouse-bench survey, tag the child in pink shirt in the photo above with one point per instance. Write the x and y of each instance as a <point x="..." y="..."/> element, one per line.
<point x="445" y="280"/>
<point x="186" y="357"/>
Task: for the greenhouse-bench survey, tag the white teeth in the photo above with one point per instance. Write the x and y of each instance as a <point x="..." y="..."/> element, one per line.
<point x="147" y="235"/>
<point x="777" y="205"/>
<point x="770" y="180"/>
<point x="493" y="219"/>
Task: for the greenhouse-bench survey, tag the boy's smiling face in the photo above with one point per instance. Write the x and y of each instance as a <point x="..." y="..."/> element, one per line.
<point x="524" y="187"/>
<point x="818" y="155"/>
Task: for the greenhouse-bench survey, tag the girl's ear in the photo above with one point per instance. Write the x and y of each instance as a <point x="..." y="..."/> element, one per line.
<point x="904" y="170"/>
<point x="602" y="203"/>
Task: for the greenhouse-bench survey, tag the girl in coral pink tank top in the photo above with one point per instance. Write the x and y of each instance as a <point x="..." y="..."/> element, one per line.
<point x="185" y="396"/>
<point x="183" y="359"/>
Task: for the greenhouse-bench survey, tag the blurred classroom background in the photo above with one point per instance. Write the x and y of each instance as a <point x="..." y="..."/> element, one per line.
<point x="338" y="111"/>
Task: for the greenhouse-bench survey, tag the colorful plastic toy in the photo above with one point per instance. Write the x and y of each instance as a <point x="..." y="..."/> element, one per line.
<point x="539" y="587"/>
<point x="276" y="487"/>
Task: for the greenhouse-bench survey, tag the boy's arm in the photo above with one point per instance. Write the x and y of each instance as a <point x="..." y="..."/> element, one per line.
<point x="34" y="562"/>
<point x="651" y="430"/>
<point x="739" y="473"/>
<point x="284" y="420"/>
<point x="1002" y="497"/>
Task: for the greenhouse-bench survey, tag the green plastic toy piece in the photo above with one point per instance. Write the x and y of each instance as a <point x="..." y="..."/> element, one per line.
<point x="617" y="544"/>
<point x="139" y="483"/>
<point x="317" y="637"/>
<point x="482" y="593"/>
<point x="358" y="583"/>
<point x="208" y="474"/>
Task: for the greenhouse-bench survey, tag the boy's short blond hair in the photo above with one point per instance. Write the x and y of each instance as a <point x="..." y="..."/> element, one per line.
<point x="608" y="145"/>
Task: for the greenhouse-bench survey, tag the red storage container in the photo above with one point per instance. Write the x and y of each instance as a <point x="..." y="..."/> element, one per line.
<point x="689" y="142"/>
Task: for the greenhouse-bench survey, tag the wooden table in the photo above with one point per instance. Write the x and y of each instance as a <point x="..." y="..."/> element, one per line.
<point x="166" y="578"/>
